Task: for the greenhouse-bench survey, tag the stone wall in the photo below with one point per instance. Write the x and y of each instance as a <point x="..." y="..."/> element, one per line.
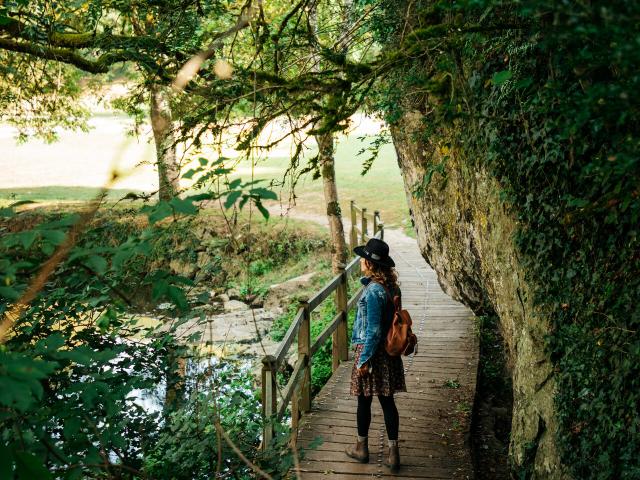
<point x="465" y="232"/>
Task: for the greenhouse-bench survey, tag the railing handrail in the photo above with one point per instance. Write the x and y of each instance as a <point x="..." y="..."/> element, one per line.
<point x="298" y="388"/>
<point x="287" y="340"/>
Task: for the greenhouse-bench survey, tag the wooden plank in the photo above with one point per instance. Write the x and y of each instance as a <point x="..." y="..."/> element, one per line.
<point x="286" y="342"/>
<point x="304" y="349"/>
<point x="324" y="292"/>
<point x="346" y="467"/>
<point x="340" y="340"/>
<point x="355" y="476"/>
<point x="353" y="266"/>
<point x="354" y="300"/>
<point x="326" y="333"/>
<point x="408" y="448"/>
<point x="424" y="432"/>
<point x="292" y="385"/>
<point x="416" y="458"/>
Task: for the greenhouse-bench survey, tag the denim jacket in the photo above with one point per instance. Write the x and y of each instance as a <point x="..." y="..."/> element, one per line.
<point x="370" y="318"/>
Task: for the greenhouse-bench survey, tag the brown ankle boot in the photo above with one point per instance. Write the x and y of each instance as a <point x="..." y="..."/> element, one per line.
<point x="394" y="457"/>
<point x="360" y="451"/>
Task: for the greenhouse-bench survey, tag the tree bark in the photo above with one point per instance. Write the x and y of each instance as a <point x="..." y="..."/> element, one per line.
<point x="327" y="168"/>
<point x="326" y="162"/>
<point x="166" y="160"/>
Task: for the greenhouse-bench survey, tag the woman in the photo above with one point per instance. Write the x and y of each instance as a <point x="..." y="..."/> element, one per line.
<point x="374" y="371"/>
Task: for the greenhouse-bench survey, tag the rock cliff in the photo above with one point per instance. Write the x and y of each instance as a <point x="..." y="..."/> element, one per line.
<point x="465" y="232"/>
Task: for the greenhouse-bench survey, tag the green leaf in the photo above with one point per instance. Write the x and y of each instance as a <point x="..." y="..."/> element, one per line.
<point x="7" y="213"/>
<point x="524" y="83"/>
<point x="204" y="297"/>
<point x="264" y="193"/>
<point x="29" y="467"/>
<point x="66" y="221"/>
<point x="17" y="394"/>
<point x="53" y="342"/>
<point x="120" y="257"/>
<point x="500" y="77"/>
<point x="74" y="474"/>
<point x="71" y="426"/>
<point x="189" y="173"/>
<point x="183" y="206"/>
<point x="20" y="382"/>
<point x="159" y="211"/>
<point x="159" y="289"/>
<point x="9" y="293"/>
<point x="202" y="196"/>
<point x="6" y="463"/>
<point x="97" y="264"/>
<point x="265" y="213"/>
<point x="177" y="296"/>
<point x="27" y="238"/>
<point x="81" y="355"/>
<point x="231" y="198"/>
<point x="235" y="184"/>
<point x="203" y="161"/>
<point x="55" y="237"/>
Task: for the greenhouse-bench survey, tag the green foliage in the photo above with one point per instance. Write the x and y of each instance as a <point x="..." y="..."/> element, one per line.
<point x="492" y="366"/>
<point x="76" y="363"/>
<point x="38" y="97"/>
<point x="451" y="383"/>
<point x="541" y="94"/>
<point x="187" y="446"/>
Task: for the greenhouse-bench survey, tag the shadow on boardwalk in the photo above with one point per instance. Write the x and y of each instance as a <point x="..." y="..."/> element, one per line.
<point x="435" y="413"/>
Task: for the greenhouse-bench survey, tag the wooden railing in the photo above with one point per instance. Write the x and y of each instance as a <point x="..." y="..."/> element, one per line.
<point x="297" y="392"/>
<point x="359" y="233"/>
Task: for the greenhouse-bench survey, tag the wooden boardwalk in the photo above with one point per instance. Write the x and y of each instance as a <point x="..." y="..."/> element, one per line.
<point x="436" y="410"/>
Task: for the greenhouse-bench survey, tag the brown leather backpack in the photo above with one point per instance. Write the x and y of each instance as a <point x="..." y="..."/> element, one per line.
<point x="400" y="339"/>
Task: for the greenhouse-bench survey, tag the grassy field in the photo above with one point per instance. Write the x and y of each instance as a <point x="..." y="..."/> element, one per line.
<point x="380" y="189"/>
<point x="73" y="169"/>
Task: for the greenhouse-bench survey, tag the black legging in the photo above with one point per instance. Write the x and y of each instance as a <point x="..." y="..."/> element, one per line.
<point x="391" y="417"/>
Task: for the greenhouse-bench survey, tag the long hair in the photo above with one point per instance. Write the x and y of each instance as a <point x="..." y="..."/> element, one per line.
<point x="387" y="276"/>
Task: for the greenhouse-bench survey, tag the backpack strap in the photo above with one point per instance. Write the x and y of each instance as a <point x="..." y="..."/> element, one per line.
<point x="396" y="308"/>
<point x="391" y="301"/>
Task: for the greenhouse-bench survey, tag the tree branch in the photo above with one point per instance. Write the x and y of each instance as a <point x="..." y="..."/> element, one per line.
<point x="189" y="69"/>
<point x="64" y="55"/>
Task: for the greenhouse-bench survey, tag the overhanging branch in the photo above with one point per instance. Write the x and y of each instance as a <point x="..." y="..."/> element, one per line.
<point x="64" y="55"/>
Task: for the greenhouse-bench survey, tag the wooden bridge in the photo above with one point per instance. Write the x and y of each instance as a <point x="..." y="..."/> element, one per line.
<point x="435" y="412"/>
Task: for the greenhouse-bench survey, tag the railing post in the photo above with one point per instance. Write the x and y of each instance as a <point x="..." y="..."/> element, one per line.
<point x="376" y="221"/>
<point x="353" y="240"/>
<point x="269" y="399"/>
<point x="295" y="417"/>
<point x="381" y="227"/>
<point x="363" y="228"/>
<point x="304" y="348"/>
<point x="340" y="345"/>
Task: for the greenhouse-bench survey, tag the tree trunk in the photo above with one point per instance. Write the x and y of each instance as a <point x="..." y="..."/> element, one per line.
<point x="162" y="125"/>
<point x="328" y="171"/>
<point x="326" y="162"/>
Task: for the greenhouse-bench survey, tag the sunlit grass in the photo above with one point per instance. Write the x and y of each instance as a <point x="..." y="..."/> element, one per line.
<point x="41" y="172"/>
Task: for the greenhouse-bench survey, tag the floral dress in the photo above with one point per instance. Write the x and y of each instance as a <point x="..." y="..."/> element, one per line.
<point x="386" y="372"/>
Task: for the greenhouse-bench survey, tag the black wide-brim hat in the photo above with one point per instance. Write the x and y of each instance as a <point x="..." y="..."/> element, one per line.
<point x="376" y="251"/>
